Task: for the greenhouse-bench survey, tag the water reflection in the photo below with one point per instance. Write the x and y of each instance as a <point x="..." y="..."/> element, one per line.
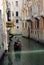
<point x="4" y="60"/>
<point x="35" y="59"/>
<point x="24" y="58"/>
<point x="18" y="56"/>
<point x="11" y="59"/>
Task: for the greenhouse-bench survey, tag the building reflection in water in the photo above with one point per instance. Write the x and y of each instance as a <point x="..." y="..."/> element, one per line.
<point x="14" y="58"/>
<point x="18" y="56"/>
<point x="11" y="59"/>
<point x="4" y="60"/>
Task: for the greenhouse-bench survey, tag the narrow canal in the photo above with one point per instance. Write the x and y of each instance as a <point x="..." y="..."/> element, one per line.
<point x="32" y="53"/>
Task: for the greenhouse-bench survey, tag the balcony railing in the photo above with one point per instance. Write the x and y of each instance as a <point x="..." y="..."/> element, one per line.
<point x="28" y="18"/>
<point x="9" y="24"/>
<point x="42" y="13"/>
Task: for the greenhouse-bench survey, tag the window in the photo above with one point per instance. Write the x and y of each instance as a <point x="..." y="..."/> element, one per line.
<point x="8" y="16"/>
<point x="43" y="22"/>
<point x="16" y="20"/>
<point x="17" y="27"/>
<point x="31" y="31"/>
<point x="12" y="14"/>
<point x="35" y="32"/>
<point x="16" y="13"/>
<point x="16" y="3"/>
<point x="37" y="23"/>
<point x="31" y="25"/>
<point x="25" y="25"/>
<point x="0" y="14"/>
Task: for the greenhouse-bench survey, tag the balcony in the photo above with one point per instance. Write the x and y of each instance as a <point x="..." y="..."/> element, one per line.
<point x="28" y="18"/>
<point x="42" y="13"/>
<point x="9" y="24"/>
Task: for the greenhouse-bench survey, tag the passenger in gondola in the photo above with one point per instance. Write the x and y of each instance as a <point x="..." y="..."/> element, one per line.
<point x="17" y="45"/>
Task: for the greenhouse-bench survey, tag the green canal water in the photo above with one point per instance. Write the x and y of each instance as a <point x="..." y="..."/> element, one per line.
<point x="32" y="53"/>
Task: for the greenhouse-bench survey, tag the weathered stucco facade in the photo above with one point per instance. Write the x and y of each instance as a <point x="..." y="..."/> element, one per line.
<point x="35" y="17"/>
